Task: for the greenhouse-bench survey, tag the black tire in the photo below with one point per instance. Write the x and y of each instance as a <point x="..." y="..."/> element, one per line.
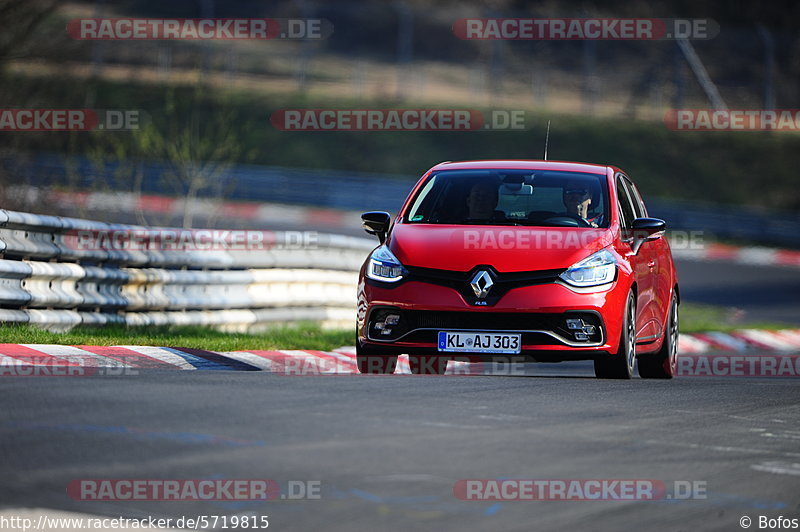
<point x="372" y="364"/>
<point x="427" y="365"/>
<point x="663" y="364"/>
<point x="620" y="365"/>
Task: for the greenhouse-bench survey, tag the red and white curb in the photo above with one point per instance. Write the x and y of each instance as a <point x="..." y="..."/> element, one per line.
<point x="69" y="360"/>
<point x="338" y="361"/>
<point x="41" y="359"/>
<point x="740" y="341"/>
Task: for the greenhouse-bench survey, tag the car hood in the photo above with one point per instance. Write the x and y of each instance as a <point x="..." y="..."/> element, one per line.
<point x="505" y="248"/>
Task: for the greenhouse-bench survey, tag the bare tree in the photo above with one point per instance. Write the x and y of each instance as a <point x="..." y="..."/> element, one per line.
<point x="194" y="137"/>
<point x="197" y="147"/>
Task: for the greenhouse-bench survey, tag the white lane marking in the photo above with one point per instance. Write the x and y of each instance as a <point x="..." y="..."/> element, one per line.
<point x="402" y="360"/>
<point x="346" y="350"/>
<point x="452" y="425"/>
<point x="722" y="448"/>
<point x="784" y="435"/>
<point x="6" y="360"/>
<point x="779" y="468"/>
<point x="343" y="364"/>
<point x="766" y="338"/>
<point x="756" y="256"/>
<point x="690" y="344"/>
<point x="261" y="363"/>
<point x="732" y="416"/>
<point x="726" y="339"/>
<point x="405" y="477"/>
<point x="299" y="362"/>
<point x="349" y="359"/>
<point x="504" y="417"/>
<point x="790" y="335"/>
<point x="78" y="356"/>
<point x="403" y="367"/>
<point x="297" y="353"/>
<point x="161" y="354"/>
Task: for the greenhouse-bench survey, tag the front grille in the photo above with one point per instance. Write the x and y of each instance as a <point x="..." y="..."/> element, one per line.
<point x="495" y="321"/>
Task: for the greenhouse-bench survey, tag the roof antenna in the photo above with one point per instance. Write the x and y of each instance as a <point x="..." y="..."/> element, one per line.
<point x="546" y="140"/>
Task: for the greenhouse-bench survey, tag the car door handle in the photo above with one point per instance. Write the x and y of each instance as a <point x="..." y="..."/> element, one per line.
<point x="651" y="264"/>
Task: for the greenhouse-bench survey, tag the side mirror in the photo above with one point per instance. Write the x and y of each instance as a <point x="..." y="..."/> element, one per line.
<point x="376" y="223"/>
<point x="644" y="229"/>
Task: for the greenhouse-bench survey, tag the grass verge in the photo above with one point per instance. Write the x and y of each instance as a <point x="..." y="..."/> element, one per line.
<point x="695" y="317"/>
<point x="301" y="336"/>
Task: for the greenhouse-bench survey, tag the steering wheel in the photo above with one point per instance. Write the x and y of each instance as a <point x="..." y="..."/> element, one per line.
<point x="569" y="219"/>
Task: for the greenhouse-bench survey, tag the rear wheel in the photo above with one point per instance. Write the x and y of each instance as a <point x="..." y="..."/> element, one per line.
<point x="427" y="365"/>
<point x="620" y="365"/>
<point x="664" y="363"/>
<point x="374" y="364"/>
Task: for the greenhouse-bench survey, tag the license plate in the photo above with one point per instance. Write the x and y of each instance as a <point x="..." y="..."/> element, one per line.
<point x="479" y="342"/>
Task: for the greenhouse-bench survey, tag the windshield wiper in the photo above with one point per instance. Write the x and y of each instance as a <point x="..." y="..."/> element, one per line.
<point x="489" y="222"/>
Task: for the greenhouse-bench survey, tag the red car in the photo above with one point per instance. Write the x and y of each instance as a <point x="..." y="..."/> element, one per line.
<point x="547" y="261"/>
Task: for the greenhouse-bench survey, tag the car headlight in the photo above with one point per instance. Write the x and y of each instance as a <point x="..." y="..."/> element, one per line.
<point x="595" y="270"/>
<point x="384" y="266"/>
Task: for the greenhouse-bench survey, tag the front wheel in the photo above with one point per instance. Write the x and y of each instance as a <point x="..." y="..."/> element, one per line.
<point x="620" y="364"/>
<point x="663" y="364"/>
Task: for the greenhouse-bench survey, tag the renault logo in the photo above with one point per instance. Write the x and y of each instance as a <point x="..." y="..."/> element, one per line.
<point x="481" y="284"/>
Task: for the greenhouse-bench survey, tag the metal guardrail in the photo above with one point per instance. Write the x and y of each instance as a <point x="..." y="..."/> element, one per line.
<point x="48" y="280"/>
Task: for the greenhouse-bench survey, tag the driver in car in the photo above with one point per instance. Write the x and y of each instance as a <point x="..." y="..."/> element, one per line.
<point x="482" y="202"/>
<point x="577" y="198"/>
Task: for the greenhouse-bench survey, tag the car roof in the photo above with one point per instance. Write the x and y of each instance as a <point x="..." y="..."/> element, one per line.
<point x="517" y="164"/>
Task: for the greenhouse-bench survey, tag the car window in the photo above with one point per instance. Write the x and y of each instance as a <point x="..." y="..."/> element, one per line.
<point x="512" y="197"/>
<point x="638" y="204"/>
<point x="424" y="196"/>
<point x="627" y="213"/>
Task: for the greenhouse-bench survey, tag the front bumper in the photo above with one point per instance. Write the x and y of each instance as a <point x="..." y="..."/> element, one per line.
<point x="538" y="312"/>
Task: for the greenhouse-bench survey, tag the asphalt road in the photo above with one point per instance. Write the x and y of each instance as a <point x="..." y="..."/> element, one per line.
<point x="389" y="449"/>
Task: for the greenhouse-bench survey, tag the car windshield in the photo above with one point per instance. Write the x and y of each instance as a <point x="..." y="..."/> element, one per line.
<point x="512" y="197"/>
